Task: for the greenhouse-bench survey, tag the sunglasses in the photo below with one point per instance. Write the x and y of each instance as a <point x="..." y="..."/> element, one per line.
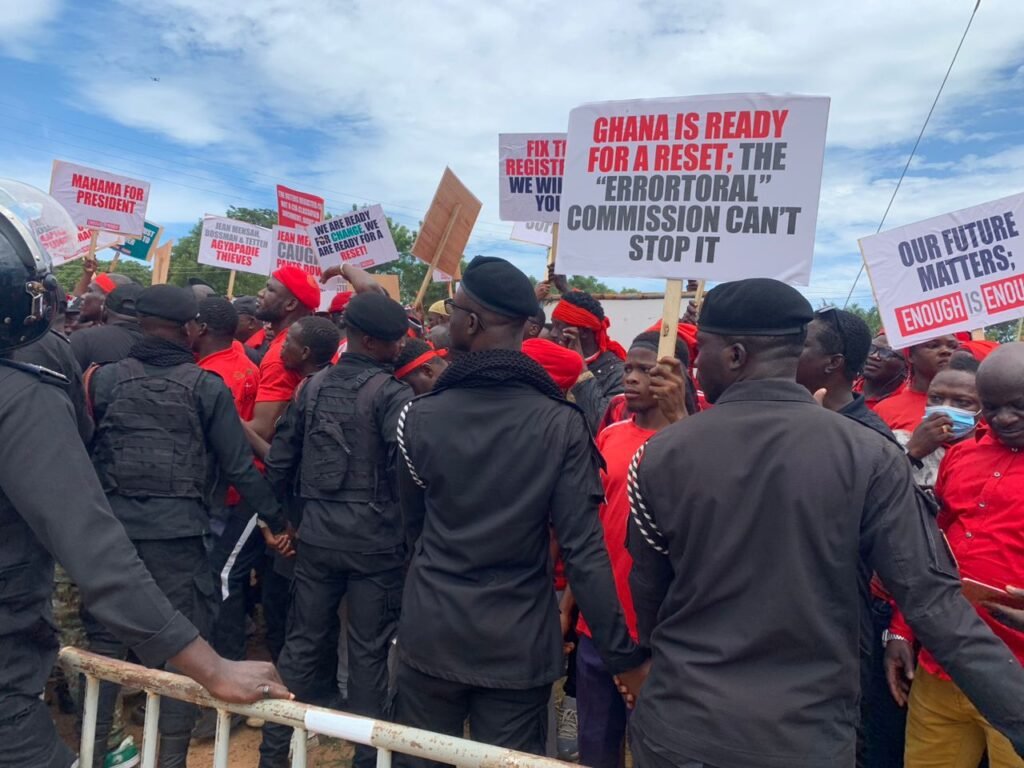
<point x="449" y="305"/>
<point x="883" y="353"/>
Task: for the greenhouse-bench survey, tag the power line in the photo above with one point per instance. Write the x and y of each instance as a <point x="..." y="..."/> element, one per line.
<point x="916" y="143"/>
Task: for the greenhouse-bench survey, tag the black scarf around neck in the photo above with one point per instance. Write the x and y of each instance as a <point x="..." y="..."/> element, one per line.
<point x="160" y="352"/>
<point x="492" y="367"/>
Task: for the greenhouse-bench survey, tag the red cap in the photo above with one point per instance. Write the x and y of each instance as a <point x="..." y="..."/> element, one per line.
<point x="105" y="282"/>
<point x="303" y="286"/>
<point x="339" y="302"/>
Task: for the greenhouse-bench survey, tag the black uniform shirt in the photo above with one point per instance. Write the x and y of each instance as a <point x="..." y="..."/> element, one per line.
<point x="609" y="370"/>
<point x="51" y="503"/>
<point x="54" y="351"/>
<point x="498" y="465"/>
<point x="765" y="505"/>
<point x="347" y="526"/>
<point x="174" y="518"/>
<point x="105" y="343"/>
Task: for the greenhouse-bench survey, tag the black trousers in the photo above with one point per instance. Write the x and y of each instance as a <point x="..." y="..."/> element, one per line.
<point x="647" y="755"/>
<point x="515" y="719"/>
<point x="883" y="723"/>
<point x="236" y="551"/>
<point x="373" y="583"/>
<point x="27" y="733"/>
<point x="181" y="569"/>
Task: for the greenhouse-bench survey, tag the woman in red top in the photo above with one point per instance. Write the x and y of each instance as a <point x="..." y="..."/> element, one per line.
<point x="906" y="410"/>
<point x="655" y="396"/>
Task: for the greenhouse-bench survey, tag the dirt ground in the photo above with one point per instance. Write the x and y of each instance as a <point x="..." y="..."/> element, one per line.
<point x="244" y="751"/>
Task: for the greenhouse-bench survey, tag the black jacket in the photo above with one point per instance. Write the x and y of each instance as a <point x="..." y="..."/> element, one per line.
<point x="488" y="470"/>
<point x="51" y="505"/>
<point x="763" y="507"/>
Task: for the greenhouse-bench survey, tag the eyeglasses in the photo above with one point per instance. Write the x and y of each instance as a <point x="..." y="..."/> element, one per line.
<point x="830" y="315"/>
<point x="450" y="304"/>
<point x="883" y="353"/>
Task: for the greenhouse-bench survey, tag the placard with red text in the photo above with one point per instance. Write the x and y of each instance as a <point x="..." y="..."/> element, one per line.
<point x="955" y="272"/>
<point x="713" y="187"/>
<point x="362" y="238"/>
<point x="530" y="168"/>
<point x="233" y="244"/>
<point x="100" y="200"/>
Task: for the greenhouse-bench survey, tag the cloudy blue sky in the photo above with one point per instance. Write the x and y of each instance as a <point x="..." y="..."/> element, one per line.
<point x="366" y="102"/>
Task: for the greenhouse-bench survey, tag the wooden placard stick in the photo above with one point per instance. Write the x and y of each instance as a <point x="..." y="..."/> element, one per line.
<point x="552" y="251"/>
<point x="231" y="284"/>
<point x="670" y="318"/>
<point x="978" y="334"/>
<point x="429" y="276"/>
<point x="114" y="261"/>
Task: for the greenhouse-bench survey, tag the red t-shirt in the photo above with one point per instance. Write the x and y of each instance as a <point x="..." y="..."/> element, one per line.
<point x="239" y="373"/>
<point x="904" y="410"/>
<point x="980" y="487"/>
<point x="242" y="377"/>
<point x="618" y="444"/>
<point x="277" y="383"/>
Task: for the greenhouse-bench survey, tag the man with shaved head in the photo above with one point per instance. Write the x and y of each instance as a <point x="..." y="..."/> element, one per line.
<point x="981" y="489"/>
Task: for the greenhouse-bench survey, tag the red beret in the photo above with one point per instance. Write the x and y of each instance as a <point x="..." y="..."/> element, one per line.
<point x="105" y="282"/>
<point x="339" y="302"/>
<point x="302" y="285"/>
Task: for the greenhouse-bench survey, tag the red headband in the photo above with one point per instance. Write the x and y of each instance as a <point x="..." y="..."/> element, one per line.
<point x="573" y="315"/>
<point x="105" y="282"/>
<point x="412" y="365"/>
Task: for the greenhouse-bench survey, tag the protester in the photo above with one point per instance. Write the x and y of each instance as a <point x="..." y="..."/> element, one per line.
<point x="164" y="430"/>
<point x="655" y="397"/>
<point x="578" y="322"/>
<point x="535" y="325"/>
<point x="437" y="315"/>
<point x="311" y="344"/>
<point x="950" y="416"/>
<point x="419" y="365"/>
<point x="37" y="421"/>
<point x="905" y="409"/>
<point x="834" y="353"/>
<point x="93" y="289"/>
<point x="248" y="324"/>
<point x="117" y="332"/>
<point x="200" y="288"/>
<point x="71" y="315"/>
<point x="979" y="487"/>
<point x="290" y="294"/>
<point x="746" y="590"/>
<point x="337" y="443"/>
<point x="440" y="338"/>
<point x="478" y="494"/>
<point x="884" y="374"/>
<point x="336" y="311"/>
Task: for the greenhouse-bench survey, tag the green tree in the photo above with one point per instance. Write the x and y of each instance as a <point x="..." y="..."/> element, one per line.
<point x="1003" y="332"/>
<point x="588" y="284"/>
<point x="869" y="315"/>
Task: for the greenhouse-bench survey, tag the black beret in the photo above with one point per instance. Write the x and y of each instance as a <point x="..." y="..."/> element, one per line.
<point x="377" y="315"/>
<point x="122" y="299"/>
<point x="246" y="305"/>
<point x="500" y="287"/>
<point x="168" y="302"/>
<point x="757" y="306"/>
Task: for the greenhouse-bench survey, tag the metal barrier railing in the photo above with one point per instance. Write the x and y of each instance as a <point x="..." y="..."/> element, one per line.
<point x="304" y="718"/>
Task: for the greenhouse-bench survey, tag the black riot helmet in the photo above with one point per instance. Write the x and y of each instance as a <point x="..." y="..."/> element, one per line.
<point x="34" y="229"/>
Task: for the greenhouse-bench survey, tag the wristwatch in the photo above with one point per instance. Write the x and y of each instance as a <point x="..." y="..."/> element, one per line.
<point x="887" y="636"/>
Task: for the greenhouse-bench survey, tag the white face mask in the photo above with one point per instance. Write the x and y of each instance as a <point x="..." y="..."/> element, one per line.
<point x="963" y="420"/>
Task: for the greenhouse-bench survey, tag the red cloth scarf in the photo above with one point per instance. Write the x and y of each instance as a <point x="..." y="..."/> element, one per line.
<point x="570" y="314"/>
<point x="562" y="365"/>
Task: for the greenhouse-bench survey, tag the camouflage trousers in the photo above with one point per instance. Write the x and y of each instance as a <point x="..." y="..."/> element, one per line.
<point x="67" y="606"/>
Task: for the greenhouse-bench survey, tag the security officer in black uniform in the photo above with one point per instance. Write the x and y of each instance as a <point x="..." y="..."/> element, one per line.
<point x="43" y="464"/>
<point x="166" y="433"/>
<point x="336" y="443"/>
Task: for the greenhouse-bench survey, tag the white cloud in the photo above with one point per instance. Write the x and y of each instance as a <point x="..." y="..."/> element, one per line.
<point x="21" y="22"/>
<point x="388" y="94"/>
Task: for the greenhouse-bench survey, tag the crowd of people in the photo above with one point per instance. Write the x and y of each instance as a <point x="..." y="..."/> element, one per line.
<point x="785" y="544"/>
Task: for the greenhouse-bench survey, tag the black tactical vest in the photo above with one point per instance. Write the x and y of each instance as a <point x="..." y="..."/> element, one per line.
<point x="343" y="457"/>
<point x="150" y="441"/>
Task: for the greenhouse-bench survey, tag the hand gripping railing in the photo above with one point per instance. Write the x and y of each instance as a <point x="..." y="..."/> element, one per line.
<point x="386" y="737"/>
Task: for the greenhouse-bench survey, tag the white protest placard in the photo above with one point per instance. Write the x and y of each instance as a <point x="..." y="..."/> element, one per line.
<point x="361" y="237"/>
<point x="716" y="187"/>
<point x="336" y="285"/>
<point x="233" y="244"/>
<point x="103" y="240"/>
<point x="292" y="247"/>
<point x="100" y="200"/>
<point x="530" y="168"/>
<point x="533" y="232"/>
<point x="954" y="272"/>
